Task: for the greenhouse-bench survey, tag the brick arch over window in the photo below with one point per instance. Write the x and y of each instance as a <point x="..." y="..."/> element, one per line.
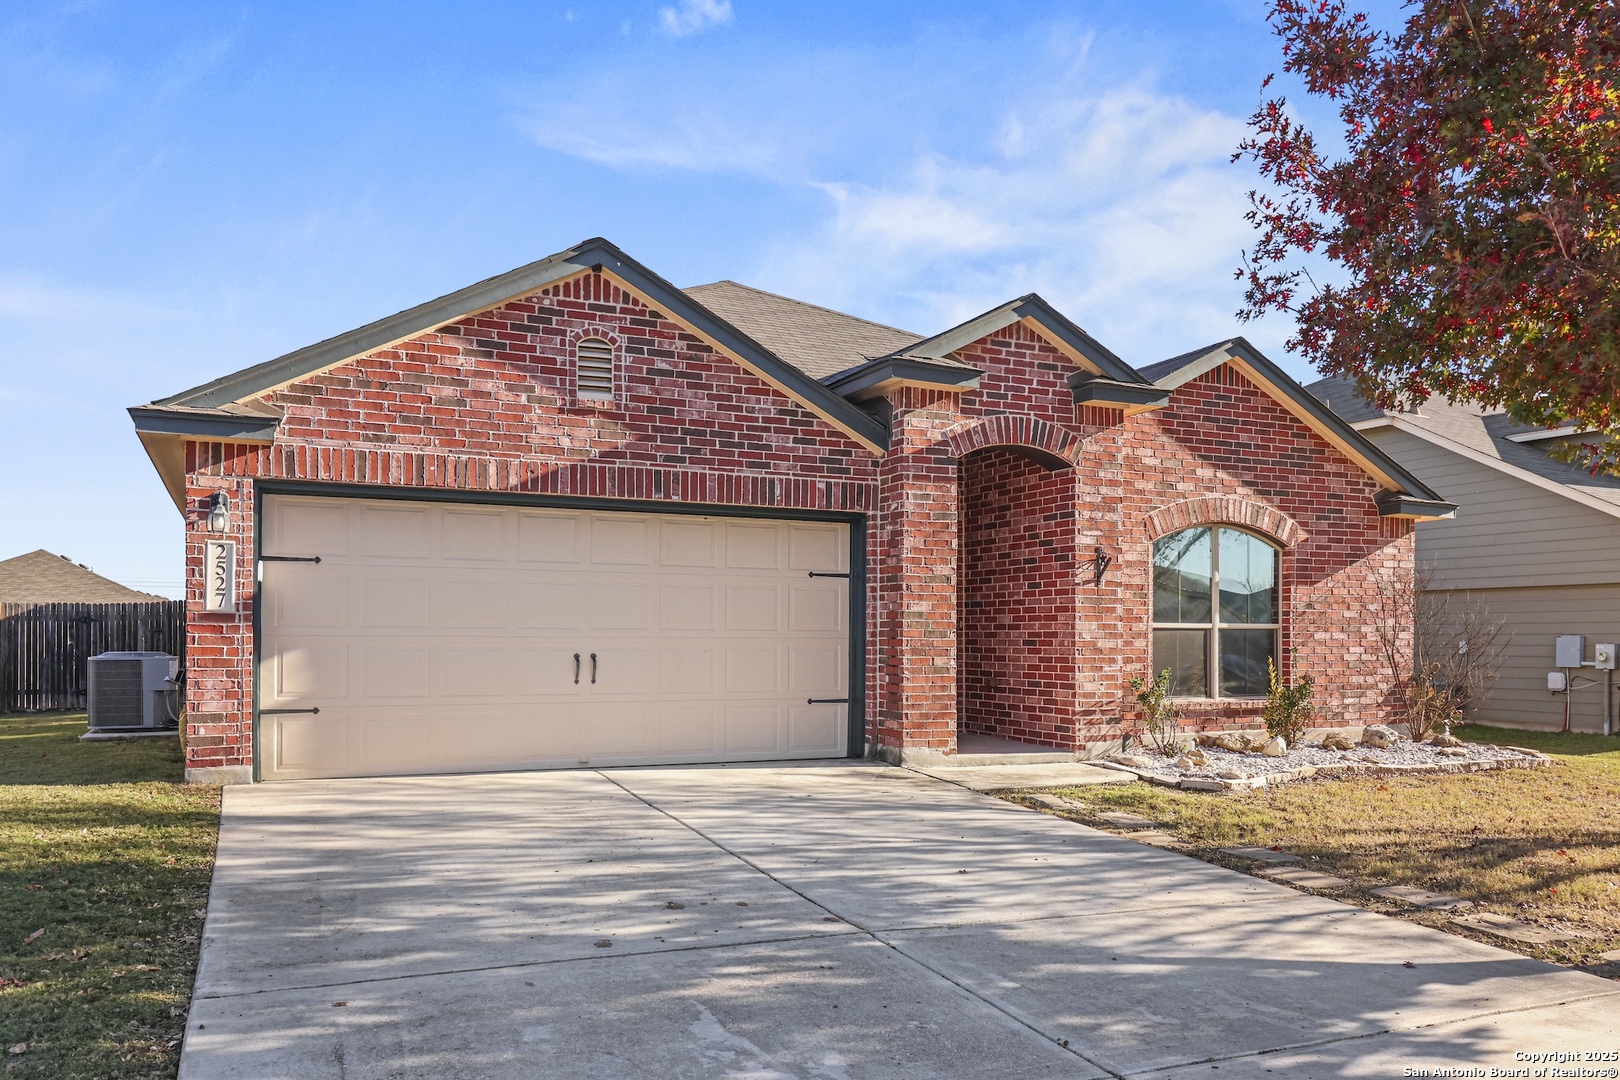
<point x="1052" y="446"/>
<point x="1225" y="510"/>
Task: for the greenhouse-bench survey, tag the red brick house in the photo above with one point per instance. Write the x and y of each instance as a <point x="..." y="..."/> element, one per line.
<point x="573" y="515"/>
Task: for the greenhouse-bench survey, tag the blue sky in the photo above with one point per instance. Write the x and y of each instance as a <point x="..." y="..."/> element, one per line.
<point x="192" y="188"/>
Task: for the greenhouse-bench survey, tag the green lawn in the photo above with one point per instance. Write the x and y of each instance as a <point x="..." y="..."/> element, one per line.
<point x="105" y="850"/>
<point x="1540" y="845"/>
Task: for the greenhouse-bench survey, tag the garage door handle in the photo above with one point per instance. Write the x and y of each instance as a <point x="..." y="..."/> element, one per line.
<point x="826" y="701"/>
<point x="593" y="669"/>
<point x="576" y="669"/>
<point x="286" y="712"/>
<point x="817" y="573"/>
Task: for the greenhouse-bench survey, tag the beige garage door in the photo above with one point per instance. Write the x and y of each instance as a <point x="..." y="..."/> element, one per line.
<point x="452" y="638"/>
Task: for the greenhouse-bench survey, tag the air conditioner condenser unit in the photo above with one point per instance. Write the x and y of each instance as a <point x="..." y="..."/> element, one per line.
<point x="130" y="691"/>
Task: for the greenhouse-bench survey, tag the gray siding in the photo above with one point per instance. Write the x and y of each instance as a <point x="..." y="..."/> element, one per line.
<point x="1534" y="617"/>
<point x="1507" y="532"/>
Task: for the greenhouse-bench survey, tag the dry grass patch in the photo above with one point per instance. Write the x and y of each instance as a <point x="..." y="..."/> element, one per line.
<point x="1540" y="845"/>
<point x="105" y="851"/>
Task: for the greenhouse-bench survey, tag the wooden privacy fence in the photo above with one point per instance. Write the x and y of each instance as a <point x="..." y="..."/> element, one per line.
<point x="44" y="647"/>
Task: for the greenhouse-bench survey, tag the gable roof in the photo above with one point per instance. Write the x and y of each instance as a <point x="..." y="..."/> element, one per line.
<point x="1487" y="436"/>
<point x="595" y="254"/>
<point x="818" y="341"/>
<point x="41" y="577"/>
<point x="1044" y="319"/>
<point x="1405" y="496"/>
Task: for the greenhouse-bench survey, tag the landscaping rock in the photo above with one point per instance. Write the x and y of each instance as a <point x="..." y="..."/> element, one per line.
<point x="1197" y="783"/>
<point x="1445" y="740"/>
<point x="1276" y="746"/>
<point x="1231" y="774"/>
<point x="1335" y="741"/>
<point x="1379" y="737"/>
<point x="1453" y="751"/>
<point x="1131" y="761"/>
<point x="1228" y="741"/>
<point x="1193" y="758"/>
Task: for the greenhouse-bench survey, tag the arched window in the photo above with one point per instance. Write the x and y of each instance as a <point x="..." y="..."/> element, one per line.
<point x="593" y="369"/>
<point x="1214" y="612"/>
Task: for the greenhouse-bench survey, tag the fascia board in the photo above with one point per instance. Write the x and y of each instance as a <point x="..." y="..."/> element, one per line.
<point x="1133" y="398"/>
<point x="1396" y="504"/>
<point x="1565" y="432"/>
<point x="1574" y="495"/>
<point x="1185" y="374"/>
<point x="879" y="377"/>
<point x="385" y="333"/>
<point x="207" y="426"/>
<point x="1041" y="318"/>
<point x="1322" y="420"/>
<point x="594" y="254"/>
<point x="963" y="335"/>
<point x="1057" y="328"/>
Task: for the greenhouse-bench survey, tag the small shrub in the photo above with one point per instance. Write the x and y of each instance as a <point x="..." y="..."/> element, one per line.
<point x="1288" y="709"/>
<point x="1159" y="713"/>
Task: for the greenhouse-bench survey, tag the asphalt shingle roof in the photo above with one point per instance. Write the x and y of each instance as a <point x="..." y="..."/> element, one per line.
<point x="41" y="577"/>
<point x="1485" y="431"/>
<point x="818" y="341"/>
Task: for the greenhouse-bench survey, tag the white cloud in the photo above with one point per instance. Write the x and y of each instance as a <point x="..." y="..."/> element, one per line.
<point x="1121" y="208"/>
<point x="690" y="16"/>
<point x="976" y="180"/>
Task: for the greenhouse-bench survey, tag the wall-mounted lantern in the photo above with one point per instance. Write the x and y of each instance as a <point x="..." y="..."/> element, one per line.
<point x="219" y="513"/>
<point x="1098" y="565"/>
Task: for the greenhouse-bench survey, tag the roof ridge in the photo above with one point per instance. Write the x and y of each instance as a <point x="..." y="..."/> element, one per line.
<point x="805" y="303"/>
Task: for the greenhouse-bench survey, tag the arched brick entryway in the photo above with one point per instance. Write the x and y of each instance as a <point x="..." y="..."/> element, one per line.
<point x="1016" y="665"/>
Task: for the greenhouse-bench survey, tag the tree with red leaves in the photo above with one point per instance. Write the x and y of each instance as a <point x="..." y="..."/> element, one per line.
<point x="1474" y="214"/>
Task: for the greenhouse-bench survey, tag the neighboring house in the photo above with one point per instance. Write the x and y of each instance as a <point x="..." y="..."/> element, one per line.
<point x="43" y="578"/>
<point x="573" y="515"/>
<point x="56" y="614"/>
<point x="1535" y="541"/>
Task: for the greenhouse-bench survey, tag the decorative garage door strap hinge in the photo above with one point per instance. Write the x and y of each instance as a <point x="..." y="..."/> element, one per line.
<point x="286" y="712"/>
<point x="290" y="558"/>
<point x="826" y="701"/>
<point x="817" y="573"/>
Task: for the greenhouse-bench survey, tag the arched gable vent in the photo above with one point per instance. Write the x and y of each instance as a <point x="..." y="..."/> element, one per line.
<point x="593" y="369"/>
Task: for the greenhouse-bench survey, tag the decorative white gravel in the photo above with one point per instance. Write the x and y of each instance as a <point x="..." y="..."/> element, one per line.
<point x="1402" y="753"/>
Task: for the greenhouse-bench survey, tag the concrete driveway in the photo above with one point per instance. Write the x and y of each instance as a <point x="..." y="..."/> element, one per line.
<point x="840" y="921"/>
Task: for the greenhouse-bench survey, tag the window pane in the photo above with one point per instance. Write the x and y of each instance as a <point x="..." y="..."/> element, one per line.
<point x="1181" y="573"/>
<point x="1248" y="578"/>
<point x="1243" y="662"/>
<point x="1185" y="653"/>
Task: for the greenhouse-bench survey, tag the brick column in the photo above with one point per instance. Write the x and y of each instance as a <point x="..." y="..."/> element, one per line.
<point x="219" y="653"/>
<point x="914" y="654"/>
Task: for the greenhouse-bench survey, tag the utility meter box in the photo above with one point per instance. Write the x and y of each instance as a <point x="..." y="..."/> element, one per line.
<point x="1570" y="650"/>
<point x="1603" y="656"/>
<point x="1557" y="682"/>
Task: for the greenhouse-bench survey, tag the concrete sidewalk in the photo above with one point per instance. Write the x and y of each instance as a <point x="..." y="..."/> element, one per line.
<point x="836" y="921"/>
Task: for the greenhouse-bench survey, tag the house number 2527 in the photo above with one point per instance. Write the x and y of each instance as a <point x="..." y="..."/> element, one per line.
<point x="219" y="575"/>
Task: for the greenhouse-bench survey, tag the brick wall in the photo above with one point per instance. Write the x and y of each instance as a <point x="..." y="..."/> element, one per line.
<point x="489" y="405"/>
<point x="1016" y="599"/>
<point x="1228" y="451"/>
